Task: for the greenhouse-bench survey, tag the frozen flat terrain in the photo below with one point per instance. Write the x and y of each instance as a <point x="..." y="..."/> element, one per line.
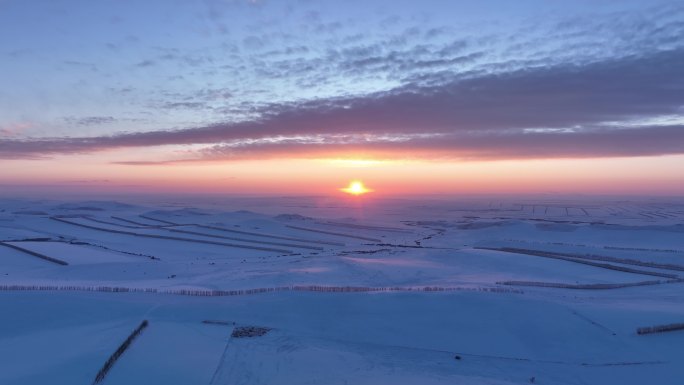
<point x="394" y="291"/>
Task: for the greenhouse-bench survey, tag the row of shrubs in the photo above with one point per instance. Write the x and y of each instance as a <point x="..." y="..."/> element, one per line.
<point x="167" y="228"/>
<point x="589" y="286"/>
<point x="88" y="217"/>
<point x="338" y="289"/>
<point x="33" y="253"/>
<point x="629" y="261"/>
<point x="158" y="220"/>
<point x="152" y="257"/>
<point x="79" y="243"/>
<point x="579" y="259"/>
<point x="222" y="293"/>
<point x="641" y="249"/>
<point x="115" y="356"/>
<point x="660" y="328"/>
<point x="604" y="247"/>
<point x="60" y="219"/>
<point x="626" y="261"/>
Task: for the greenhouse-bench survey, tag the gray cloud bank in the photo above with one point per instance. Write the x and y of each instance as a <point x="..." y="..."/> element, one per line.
<point x="592" y="109"/>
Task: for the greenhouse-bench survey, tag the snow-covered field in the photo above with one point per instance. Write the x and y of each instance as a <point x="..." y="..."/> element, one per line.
<point x="393" y="291"/>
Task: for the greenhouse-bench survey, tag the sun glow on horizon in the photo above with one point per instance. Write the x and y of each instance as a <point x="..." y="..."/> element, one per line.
<point x="356" y="187"/>
<point x="357" y="162"/>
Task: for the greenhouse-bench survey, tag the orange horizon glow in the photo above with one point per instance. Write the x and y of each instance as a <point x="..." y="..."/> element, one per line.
<point x="96" y="173"/>
<point x="356" y="187"/>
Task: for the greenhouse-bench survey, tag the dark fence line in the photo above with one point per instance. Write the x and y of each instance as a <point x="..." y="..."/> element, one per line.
<point x="629" y="261"/>
<point x="587" y="286"/>
<point x="605" y="258"/>
<point x="157" y="220"/>
<point x="245" y="240"/>
<point x="135" y="223"/>
<point x="267" y="235"/>
<point x="365" y="227"/>
<point x="82" y="243"/>
<point x="642" y="249"/>
<point x="216" y="322"/>
<point x="42" y="239"/>
<point x="604" y="247"/>
<point x="172" y="224"/>
<point x="168" y="228"/>
<point x="87" y="217"/>
<point x="152" y="257"/>
<point x="223" y="293"/>
<point x="334" y="233"/>
<point x="172" y="238"/>
<point x="115" y="356"/>
<point x="545" y="254"/>
<point x="33" y="253"/>
<point x="660" y="328"/>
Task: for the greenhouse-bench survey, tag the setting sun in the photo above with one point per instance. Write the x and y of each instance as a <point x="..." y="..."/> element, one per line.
<point x="356" y="187"/>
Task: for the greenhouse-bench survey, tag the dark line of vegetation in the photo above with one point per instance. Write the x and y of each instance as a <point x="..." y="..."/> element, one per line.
<point x="588" y="364"/>
<point x="215" y="236"/>
<point x="660" y="328"/>
<point x="138" y="226"/>
<point x="172" y="238"/>
<point x="230" y="231"/>
<point x="404" y="246"/>
<point x="608" y="266"/>
<point x="333" y="233"/>
<point x="133" y="222"/>
<point x="244" y="240"/>
<point x="33" y="253"/>
<point x="356" y="252"/>
<point x="111" y="223"/>
<point x="152" y="257"/>
<point x="82" y="243"/>
<point x="30" y="240"/>
<point x="217" y="322"/>
<point x="268" y="235"/>
<point x="365" y="227"/>
<point x="625" y="261"/>
<point x="223" y="293"/>
<point x="554" y="221"/>
<point x="587" y="286"/>
<point x="593" y="322"/>
<point x="642" y="249"/>
<point x="125" y="345"/>
<point x="157" y="220"/>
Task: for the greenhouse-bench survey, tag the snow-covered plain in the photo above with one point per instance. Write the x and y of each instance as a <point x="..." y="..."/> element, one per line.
<point x="365" y="291"/>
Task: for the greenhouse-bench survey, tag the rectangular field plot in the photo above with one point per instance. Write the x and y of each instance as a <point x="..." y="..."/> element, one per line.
<point x="76" y="254"/>
<point x="171" y="353"/>
<point x="14" y="261"/>
<point x="58" y="338"/>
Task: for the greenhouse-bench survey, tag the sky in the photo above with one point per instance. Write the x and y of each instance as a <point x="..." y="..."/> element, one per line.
<point x="302" y="96"/>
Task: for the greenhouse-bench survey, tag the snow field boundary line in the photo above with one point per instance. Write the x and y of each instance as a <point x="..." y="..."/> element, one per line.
<point x="334" y="233"/>
<point x="171" y="224"/>
<point x="577" y="260"/>
<point x="168" y="228"/>
<point x="102" y="373"/>
<point x="193" y="240"/>
<point x="226" y="293"/>
<point x="588" y="286"/>
<point x="33" y="253"/>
